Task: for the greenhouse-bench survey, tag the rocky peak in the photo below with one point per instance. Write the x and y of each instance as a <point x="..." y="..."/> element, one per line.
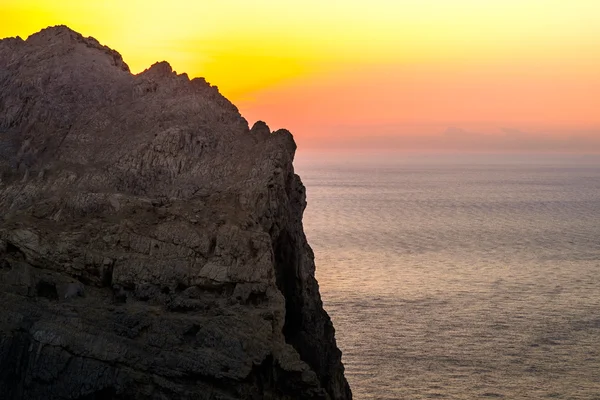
<point x="57" y="33"/>
<point x="158" y="70"/>
<point x="62" y="36"/>
<point x="260" y="129"/>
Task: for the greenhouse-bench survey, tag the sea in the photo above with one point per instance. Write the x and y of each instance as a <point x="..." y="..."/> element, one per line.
<point x="459" y="276"/>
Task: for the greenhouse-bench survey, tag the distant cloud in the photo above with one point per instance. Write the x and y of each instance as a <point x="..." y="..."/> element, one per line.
<point x="515" y="140"/>
<point x="457" y="139"/>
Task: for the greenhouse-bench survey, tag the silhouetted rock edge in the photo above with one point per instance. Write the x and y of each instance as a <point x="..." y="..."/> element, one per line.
<point x="151" y="244"/>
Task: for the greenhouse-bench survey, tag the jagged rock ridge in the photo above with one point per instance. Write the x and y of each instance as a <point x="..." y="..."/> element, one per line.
<point x="151" y="244"/>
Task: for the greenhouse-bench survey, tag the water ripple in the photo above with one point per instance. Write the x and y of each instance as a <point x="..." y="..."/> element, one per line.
<point x="461" y="282"/>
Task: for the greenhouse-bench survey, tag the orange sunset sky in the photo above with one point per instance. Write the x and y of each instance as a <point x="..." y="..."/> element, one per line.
<point x="431" y="75"/>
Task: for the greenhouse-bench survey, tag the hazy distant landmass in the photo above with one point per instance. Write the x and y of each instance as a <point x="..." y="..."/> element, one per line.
<point x="516" y="140"/>
<point x="456" y="139"/>
<point x="151" y="243"/>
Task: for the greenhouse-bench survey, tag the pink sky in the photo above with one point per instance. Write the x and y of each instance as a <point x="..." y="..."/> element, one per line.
<point x="546" y="108"/>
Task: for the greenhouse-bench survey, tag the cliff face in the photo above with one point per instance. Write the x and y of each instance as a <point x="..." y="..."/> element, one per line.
<point x="151" y="244"/>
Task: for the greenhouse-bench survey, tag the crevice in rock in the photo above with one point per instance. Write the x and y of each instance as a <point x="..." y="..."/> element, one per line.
<point x="119" y="294"/>
<point x="180" y="287"/>
<point x="14" y="357"/>
<point x="306" y="327"/>
<point x="107" y="276"/>
<point x="256" y="299"/>
<point x="212" y="246"/>
<point x="47" y="290"/>
<point x="286" y="267"/>
<point x="273" y="382"/>
<point x="191" y="333"/>
<point x="262" y="374"/>
<point x="289" y="283"/>
<point x="13" y="251"/>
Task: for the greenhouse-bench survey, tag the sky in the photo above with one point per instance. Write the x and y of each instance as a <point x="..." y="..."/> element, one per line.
<point x="411" y="75"/>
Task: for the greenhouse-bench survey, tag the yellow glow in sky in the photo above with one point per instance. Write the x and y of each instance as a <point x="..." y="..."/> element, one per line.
<point x="246" y="45"/>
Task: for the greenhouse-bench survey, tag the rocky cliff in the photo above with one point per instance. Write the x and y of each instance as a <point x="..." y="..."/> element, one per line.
<point x="151" y="244"/>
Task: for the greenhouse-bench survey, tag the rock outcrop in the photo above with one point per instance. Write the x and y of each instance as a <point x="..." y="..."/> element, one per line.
<point x="151" y="244"/>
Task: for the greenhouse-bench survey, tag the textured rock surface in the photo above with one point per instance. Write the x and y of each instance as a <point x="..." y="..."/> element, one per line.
<point x="151" y="244"/>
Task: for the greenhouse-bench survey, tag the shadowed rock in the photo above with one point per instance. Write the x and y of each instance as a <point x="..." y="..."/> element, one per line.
<point x="183" y="225"/>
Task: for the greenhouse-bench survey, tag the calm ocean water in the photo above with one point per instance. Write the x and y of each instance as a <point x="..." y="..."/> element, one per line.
<point x="460" y="278"/>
